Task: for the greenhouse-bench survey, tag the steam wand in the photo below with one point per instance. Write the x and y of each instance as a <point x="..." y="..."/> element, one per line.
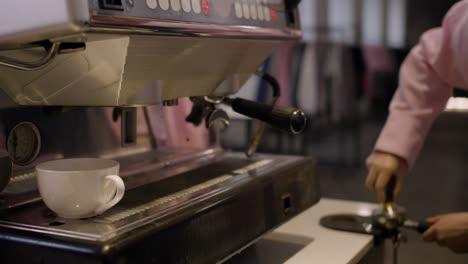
<point x="287" y="119"/>
<point x="284" y="118"/>
<point x="258" y="136"/>
<point x="275" y="116"/>
<point x="276" y="94"/>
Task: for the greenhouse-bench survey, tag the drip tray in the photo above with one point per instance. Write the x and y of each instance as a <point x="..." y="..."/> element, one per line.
<point x="139" y="205"/>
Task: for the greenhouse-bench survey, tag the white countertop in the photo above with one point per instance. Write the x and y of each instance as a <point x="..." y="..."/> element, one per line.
<point x="328" y="246"/>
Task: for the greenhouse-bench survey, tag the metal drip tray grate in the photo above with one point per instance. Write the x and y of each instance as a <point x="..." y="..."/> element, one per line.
<point x="159" y="195"/>
<point x="141" y="205"/>
<point x="127" y="209"/>
<point x="136" y="168"/>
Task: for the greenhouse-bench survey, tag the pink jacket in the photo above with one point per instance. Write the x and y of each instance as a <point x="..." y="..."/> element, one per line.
<point x="427" y="77"/>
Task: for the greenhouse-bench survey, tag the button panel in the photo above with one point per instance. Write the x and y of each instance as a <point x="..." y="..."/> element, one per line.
<point x="259" y="13"/>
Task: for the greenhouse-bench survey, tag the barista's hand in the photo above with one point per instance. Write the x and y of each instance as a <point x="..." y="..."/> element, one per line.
<point x="382" y="167"/>
<point x="450" y="231"/>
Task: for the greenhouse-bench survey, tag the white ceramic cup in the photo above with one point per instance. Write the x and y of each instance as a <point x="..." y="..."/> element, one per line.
<point x="81" y="187"/>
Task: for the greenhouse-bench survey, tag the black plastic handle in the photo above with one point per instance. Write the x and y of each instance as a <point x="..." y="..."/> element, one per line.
<point x="420" y="226"/>
<point x="423" y="226"/>
<point x="285" y="118"/>
<point x="389" y="193"/>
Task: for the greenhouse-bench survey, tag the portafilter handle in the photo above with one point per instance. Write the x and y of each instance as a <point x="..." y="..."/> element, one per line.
<point x="420" y="226"/>
<point x="389" y="193"/>
<point x="285" y="118"/>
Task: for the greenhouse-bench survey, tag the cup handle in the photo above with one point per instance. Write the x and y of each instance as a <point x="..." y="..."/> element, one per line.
<point x="119" y="192"/>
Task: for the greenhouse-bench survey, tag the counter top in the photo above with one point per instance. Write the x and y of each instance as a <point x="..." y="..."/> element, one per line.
<point x="329" y="246"/>
<point x="303" y="240"/>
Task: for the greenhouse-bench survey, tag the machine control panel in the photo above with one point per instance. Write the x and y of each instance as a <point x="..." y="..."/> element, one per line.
<point x="257" y="13"/>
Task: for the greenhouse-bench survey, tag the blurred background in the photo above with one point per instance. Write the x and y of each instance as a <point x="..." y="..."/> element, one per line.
<point x="343" y="75"/>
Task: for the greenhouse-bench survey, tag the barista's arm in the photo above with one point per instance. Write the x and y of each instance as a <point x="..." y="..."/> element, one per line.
<point x="438" y="63"/>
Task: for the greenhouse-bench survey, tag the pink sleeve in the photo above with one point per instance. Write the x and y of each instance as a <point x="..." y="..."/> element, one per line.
<point x="437" y="64"/>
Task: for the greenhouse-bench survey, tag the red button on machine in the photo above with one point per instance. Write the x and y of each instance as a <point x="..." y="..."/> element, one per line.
<point x="205" y="6"/>
<point x="273" y="14"/>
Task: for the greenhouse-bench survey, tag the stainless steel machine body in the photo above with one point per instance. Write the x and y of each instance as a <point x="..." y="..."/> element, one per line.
<point x="90" y="78"/>
<point x="136" y="52"/>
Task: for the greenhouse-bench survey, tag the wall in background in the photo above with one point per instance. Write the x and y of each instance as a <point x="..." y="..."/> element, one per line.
<point x="392" y="23"/>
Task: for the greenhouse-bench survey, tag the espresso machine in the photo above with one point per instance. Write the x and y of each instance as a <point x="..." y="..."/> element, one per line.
<point x="141" y="82"/>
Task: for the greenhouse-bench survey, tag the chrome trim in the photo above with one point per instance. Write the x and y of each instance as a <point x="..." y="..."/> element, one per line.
<point x="100" y="23"/>
<point x="31" y="66"/>
<point x="48" y="230"/>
